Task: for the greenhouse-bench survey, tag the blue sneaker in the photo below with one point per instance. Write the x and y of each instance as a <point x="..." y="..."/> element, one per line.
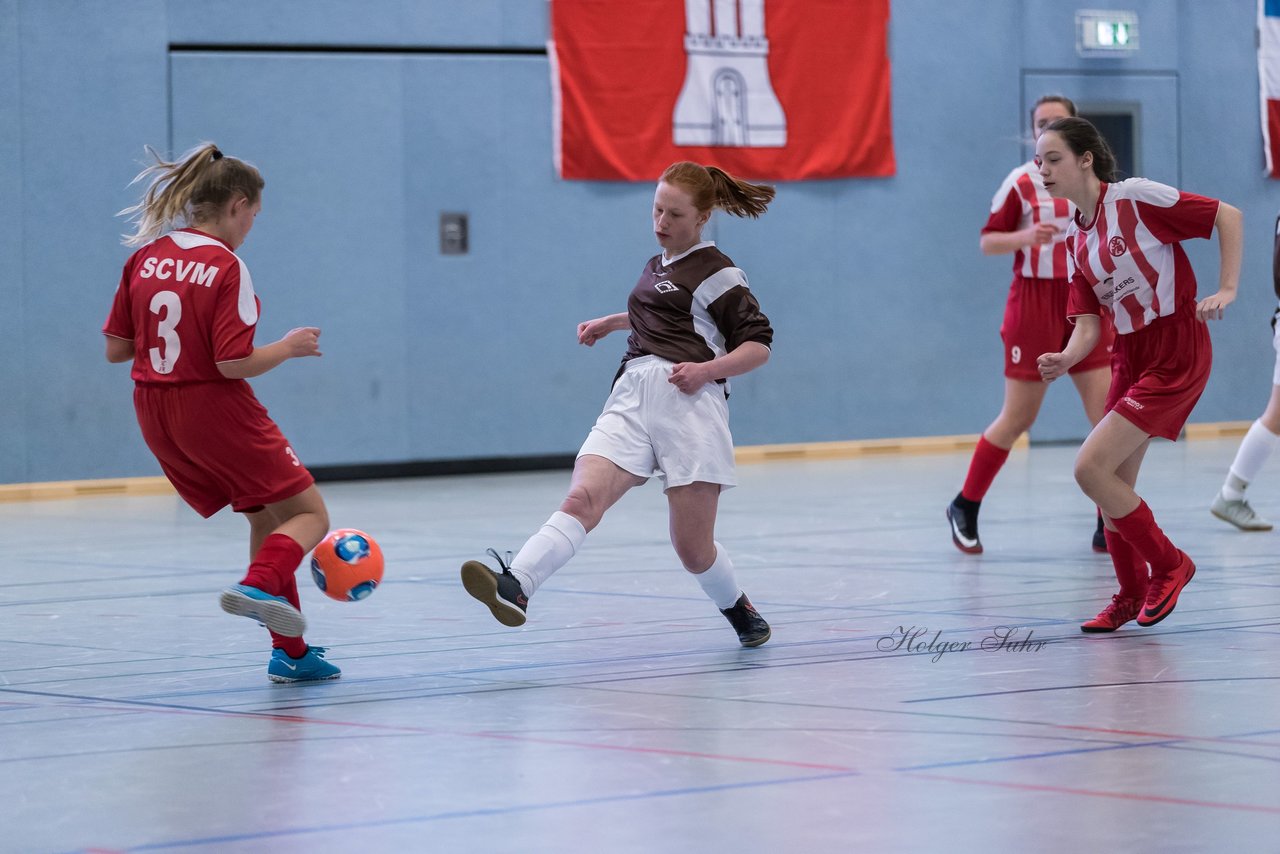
<point x="274" y="612"/>
<point x="310" y="668"/>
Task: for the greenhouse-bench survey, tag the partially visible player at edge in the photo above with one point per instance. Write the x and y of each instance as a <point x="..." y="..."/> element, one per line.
<point x="694" y="322"/>
<point x="185" y="313"/>
<point x="1028" y="222"/>
<point x="1126" y="242"/>
<point x="1260" y="442"/>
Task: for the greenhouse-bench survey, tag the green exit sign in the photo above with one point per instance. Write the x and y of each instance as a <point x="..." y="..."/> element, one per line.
<point x="1106" y="33"/>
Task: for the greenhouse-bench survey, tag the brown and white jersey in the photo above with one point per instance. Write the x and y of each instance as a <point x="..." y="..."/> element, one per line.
<point x="693" y="308"/>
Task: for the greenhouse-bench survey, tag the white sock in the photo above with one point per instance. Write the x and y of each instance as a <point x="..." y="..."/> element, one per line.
<point x="1254" y="451"/>
<point x="719" y="582"/>
<point x="552" y="547"/>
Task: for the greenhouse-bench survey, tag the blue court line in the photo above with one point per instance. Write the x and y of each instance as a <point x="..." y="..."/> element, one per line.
<point x="1097" y="685"/>
<point x="992" y="760"/>
<point x="1194" y="749"/>
<point x="480" y="813"/>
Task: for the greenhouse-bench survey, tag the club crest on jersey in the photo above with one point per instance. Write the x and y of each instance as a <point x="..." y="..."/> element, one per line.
<point x="665" y="287"/>
<point x="1117" y="246"/>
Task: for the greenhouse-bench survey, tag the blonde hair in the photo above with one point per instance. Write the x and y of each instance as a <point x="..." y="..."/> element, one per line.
<point x="712" y="187"/>
<point x="193" y="189"/>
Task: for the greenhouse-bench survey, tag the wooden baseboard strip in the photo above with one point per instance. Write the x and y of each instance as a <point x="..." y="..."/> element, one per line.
<point x="84" y="488"/>
<point x="747" y="454"/>
<point x="861" y="448"/>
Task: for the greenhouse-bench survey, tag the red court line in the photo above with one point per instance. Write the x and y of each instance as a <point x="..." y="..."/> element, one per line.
<point x="662" y="751"/>
<point x="1163" y="736"/>
<point x="1097" y="793"/>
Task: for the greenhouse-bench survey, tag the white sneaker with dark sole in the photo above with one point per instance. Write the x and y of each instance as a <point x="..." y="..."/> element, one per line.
<point x="1238" y="513"/>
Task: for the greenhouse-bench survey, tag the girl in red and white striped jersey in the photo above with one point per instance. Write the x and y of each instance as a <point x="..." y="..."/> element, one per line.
<point x="1028" y="222"/>
<point x="1125" y="240"/>
<point x="184" y="314"/>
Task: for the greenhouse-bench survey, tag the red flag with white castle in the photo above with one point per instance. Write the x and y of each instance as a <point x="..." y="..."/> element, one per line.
<point x="766" y="89"/>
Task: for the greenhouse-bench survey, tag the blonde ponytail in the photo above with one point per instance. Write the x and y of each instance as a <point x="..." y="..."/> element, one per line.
<point x="191" y="190"/>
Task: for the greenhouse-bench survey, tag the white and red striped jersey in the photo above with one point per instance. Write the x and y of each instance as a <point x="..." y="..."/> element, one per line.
<point x="1129" y="259"/>
<point x="1022" y="201"/>
<point x="186" y="301"/>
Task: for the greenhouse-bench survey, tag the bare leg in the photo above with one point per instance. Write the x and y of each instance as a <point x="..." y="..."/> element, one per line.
<point x="1103" y="456"/>
<point x="597" y="485"/>
<point x="693" y="523"/>
<point x="1022" y="401"/>
<point x="1092" y="387"/>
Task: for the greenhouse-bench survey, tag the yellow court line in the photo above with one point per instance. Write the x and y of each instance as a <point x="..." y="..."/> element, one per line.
<point x="62" y="489"/>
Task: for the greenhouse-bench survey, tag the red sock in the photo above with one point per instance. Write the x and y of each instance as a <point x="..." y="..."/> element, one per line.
<point x="1139" y="528"/>
<point x="293" y="647"/>
<point x="986" y="464"/>
<point x="274" y="564"/>
<point x="1131" y="569"/>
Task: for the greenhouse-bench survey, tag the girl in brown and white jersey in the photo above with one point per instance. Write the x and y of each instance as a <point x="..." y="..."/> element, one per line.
<point x="694" y="323"/>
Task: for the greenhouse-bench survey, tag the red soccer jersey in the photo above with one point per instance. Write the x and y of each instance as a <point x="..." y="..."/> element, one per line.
<point x="186" y="302"/>
<point x="1129" y="258"/>
<point x="1022" y="201"/>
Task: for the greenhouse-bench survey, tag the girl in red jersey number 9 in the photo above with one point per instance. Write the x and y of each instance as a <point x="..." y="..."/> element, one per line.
<point x="1028" y="222"/>
<point x="1126" y="243"/>
<point x="185" y="313"/>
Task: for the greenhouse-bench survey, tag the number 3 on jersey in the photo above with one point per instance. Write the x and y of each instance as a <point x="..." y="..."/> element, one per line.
<point x="166" y="331"/>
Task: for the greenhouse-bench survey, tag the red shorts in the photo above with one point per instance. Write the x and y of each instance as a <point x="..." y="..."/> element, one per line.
<point x="1035" y="322"/>
<point x="1159" y="372"/>
<point x="217" y="445"/>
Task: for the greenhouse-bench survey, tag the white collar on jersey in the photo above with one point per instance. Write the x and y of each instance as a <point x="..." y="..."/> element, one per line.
<point x="191" y="239"/>
<point x="667" y="262"/>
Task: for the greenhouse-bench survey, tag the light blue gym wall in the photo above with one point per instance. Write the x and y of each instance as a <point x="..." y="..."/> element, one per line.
<point x="885" y="312"/>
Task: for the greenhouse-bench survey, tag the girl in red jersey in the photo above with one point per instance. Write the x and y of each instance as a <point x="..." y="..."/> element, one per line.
<point x="184" y="314"/>
<point x="693" y="324"/>
<point x="1028" y="222"/>
<point x="1125" y="240"/>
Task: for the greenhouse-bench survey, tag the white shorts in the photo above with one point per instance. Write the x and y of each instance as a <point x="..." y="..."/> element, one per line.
<point x="1275" y="342"/>
<point x="649" y="427"/>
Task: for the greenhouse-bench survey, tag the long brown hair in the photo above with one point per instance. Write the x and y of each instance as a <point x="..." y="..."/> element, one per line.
<point x="712" y="187"/>
<point x="193" y="189"/>
<point x="1080" y="136"/>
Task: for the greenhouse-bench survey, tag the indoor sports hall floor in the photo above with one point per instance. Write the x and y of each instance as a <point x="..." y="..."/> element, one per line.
<point x="624" y="717"/>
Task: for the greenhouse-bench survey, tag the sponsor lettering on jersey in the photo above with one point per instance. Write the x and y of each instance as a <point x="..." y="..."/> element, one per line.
<point x="192" y="272"/>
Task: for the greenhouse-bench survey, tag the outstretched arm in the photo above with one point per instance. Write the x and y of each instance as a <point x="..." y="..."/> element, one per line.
<point x="691" y="376"/>
<point x="591" y="331"/>
<point x="1230" y="226"/>
<point x="1004" y="242"/>
<point x="1083" y="339"/>
<point x="303" y="341"/>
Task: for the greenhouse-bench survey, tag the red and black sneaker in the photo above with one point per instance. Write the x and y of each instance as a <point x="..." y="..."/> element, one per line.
<point x="1100" y="538"/>
<point x="501" y="592"/>
<point x="1162" y="595"/>
<point x="746" y="621"/>
<point x="963" y="516"/>
<point x="1121" y="610"/>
